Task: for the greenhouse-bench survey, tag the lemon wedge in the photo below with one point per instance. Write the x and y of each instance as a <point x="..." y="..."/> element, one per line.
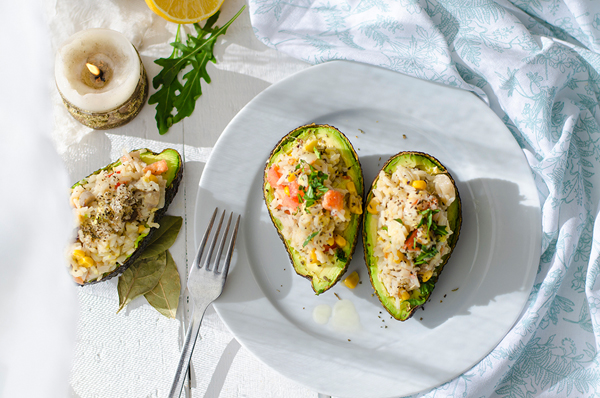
<point x="184" y="11"/>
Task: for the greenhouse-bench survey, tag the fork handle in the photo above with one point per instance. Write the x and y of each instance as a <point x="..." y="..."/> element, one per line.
<point x="186" y="351"/>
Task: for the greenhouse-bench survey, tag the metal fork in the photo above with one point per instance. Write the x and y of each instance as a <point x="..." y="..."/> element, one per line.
<point x="205" y="286"/>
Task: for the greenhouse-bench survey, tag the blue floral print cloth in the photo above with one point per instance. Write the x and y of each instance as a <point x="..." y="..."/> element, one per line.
<point x="536" y="64"/>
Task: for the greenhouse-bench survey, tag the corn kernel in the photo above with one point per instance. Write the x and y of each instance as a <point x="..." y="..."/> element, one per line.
<point x="287" y="191"/>
<point x="330" y="241"/>
<point x="141" y="229"/>
<point x="313" y="255"/>
<point x="351" y="187"/>
<point x="372" y="207"/>
<point x="86" y="262"/>
<point x="355" y="205"/>
<point x="427" y="275"/>
<point x="310" y="145"/>
<point x="291" y="177"/>
<point x="341" y="242"/>
<point x="77" y="254"/>
<point x="404" y="295"/>
<point x="357" y="209"/>
<point x="419" y="184"/>
<point x="352" y="280"/>
<point x="400" y="256"/>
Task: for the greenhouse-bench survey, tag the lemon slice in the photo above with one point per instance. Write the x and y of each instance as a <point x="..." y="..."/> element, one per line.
<point x="184" y="11"/>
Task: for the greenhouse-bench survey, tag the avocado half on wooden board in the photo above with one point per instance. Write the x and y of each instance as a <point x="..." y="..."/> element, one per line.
<point x="173" y="177"/>
<point x="411" y="252"/>
<point x="305" y="190"/>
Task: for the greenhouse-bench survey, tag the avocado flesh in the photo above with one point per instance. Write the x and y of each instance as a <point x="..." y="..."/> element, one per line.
<point x="173" y="177"/>
<point x="327" y="275"/>
<point x="417" y="297"/>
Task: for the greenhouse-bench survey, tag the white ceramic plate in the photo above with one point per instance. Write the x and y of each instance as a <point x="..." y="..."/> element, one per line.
<point x="484" y="286"/>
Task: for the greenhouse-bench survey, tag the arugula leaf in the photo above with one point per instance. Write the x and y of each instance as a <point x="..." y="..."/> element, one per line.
<point x="306" y="242"/>
<point x="197" y="52"/>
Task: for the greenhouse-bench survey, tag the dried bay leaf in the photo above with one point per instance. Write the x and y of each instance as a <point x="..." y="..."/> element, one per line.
<point x="140" y="278"/>
<point x="163" y="237"/>
<point x="165" y="295"/>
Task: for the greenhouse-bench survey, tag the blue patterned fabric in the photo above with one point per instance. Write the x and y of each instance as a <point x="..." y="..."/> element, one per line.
<point x="536" y="63"/>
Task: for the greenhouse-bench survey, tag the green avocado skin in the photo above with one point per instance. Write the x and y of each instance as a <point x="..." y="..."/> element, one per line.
<point x="349" y="155"/>
<point x="173" y="176"/>
<point x="407" y="309"/>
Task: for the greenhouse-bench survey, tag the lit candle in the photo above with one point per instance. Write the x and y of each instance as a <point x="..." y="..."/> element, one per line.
<point x="101" y="78"/>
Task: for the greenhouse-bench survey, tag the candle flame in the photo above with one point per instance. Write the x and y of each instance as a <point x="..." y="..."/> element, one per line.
<point x="93" y="69"/>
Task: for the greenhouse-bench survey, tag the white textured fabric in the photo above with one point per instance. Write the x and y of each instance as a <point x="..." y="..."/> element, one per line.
<point x="38" y="304"/>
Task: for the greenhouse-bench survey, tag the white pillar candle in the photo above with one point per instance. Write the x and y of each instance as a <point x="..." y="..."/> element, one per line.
<point x="100" y="95"/>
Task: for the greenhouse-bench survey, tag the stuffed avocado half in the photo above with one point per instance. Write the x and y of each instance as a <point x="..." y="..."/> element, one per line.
<point x="117" y="209"/>
<point x="313" y="188"/>
<point x="411" y="226"/>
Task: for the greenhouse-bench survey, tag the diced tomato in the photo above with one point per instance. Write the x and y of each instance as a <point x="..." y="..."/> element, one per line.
<point x="118" y="184"/>
<point x="329" y="247"/>
<point x="409" y="244"/>
<point x="289" y="196"/>
<point x="273" y="175"/>
<point x="157" y="168"/>
<point x="333" y="200"/>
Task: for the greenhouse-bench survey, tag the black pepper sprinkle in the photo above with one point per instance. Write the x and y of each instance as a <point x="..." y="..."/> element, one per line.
<point x="421" y="319"/>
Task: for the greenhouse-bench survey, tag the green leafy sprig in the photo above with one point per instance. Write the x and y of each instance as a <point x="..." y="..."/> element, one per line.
<point x="315" y="189"/>
<point x="197" y="51"/>
<point x="427" y="220"/>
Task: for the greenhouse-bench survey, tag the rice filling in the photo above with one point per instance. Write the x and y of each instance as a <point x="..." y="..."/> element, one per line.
<point x="313" y="199"/>
<point x="113" y="209"/>
<point x="412" y="227"/>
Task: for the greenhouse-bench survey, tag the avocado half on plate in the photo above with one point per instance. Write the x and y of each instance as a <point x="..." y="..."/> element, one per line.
<point x="411" y="227"/>
<point x="117" y="210"/>
<point x="313" y="188"/>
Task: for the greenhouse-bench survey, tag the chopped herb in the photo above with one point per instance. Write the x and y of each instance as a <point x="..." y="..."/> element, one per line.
<point x="427" y="218"/>
<point x="385" y="228"/>
<point x="310" y="237"/>
<point x="340" y="255"/>
<point x="317" y="153"/>
<point x="425" y="255"/>
<point x="439" y="229"/>
<point x="399" y="220"/>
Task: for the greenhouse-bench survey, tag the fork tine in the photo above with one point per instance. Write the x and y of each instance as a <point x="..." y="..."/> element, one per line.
<point x="223" y="239"/>
<point x="206" y="264"/>
<point x="205" y="238"/>
<point x="231" y="246"/>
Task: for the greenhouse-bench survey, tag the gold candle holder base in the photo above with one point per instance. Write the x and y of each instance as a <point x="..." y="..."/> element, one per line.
<point x="118" y="116"/>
